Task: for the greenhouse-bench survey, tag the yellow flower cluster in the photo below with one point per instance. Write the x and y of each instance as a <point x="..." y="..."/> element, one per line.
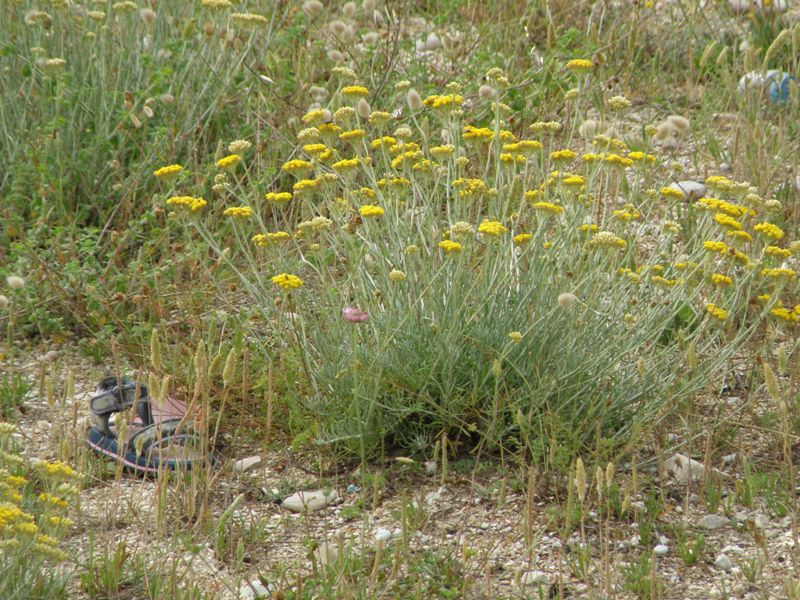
<point x="278" y="197"/>
<point x="238" y="212"/>
<point x="229" y="162"/>
<point x="492" y="228"/>
<point x="190" y="202"/>
<point x="287" y="281"/>
<point x="168" y="171"/>
<point x="370" y="210"/>
<point x="265" y="239"/>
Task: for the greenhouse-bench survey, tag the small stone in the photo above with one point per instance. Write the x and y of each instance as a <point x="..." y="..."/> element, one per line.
<point x="761" y="520"/>
<point x="661" y="550"/>
<point x="712" y="522"/>
<point x="729" y="458"/>
<point x="430" y="467"/>
<point x="245" y="464"/>
<point x="326" y="553"/>
<point x="383" y="535"/>
<point x="693" y="189"/>
<point x="723" y="563"/>
<point x="253" y="590"/>
<point x="733" y="550"/>
<point x="744" y="6"/>
<point x="311" y="501"/>
<point x="353" y="489"/>
<point x="432" y="498"/>
<point x="684" y="469"/>
<point x="533" y="578"/>
<point x="432" y="42"/>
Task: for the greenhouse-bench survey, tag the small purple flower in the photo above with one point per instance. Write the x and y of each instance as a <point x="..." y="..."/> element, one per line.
<point x="354" y="314"/>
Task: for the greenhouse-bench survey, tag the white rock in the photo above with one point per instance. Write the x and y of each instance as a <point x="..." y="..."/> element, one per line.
<point x="712" y="522"/>
<point x="661" y="550"/>
<point x="432" y="42"/>
<point x="761" y="520"/>
<point x="245" y="464"/>
<point x="432" y="498"/>
<point x="692" y="189"/>
<point x="723" y="563"/>
<point x="773" y="6"/>
<point x="729" y="458"/>
<point x="311" y="501"/>
<point x="533" y="578"/>
<point x="253" y="590"/>
<point x="733" y="550"/>
<point x="326" y="553"/>
<point x="684" y="469"/>
<point x="430" y="467"/>
<point x="383" y="535"/>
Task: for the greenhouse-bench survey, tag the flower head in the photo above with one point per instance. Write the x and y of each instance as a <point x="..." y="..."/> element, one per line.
<point x="492" y="228"/>
<point x="287" y="281"/>
<point x="353" y="314"/>
<point x="168" y="171"/>
<point x="228" y="162"/>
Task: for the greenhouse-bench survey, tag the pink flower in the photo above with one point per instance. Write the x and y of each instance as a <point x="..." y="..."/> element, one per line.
<point x="354" y="314"/>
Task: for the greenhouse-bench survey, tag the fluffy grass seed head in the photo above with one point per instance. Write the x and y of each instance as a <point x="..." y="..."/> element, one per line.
<point x="15" y="282"/>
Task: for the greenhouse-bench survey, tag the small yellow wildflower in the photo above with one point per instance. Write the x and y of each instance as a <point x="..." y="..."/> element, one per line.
<point x="52" y="500"/>
<point x="727" y="222"/>
<point x="716" y="312"/>
<point x="352" y="135"/>
<point x="769" y="230"/>
<point x="784" y="314"/>
<point x="718" y="247"/>
<point x="515" y="336"/>
<point x="345" y="165"/>
<point x="721" y="280"/>
<point x="450" y="247"/>
<point x="355" y="91"/>
<point x="779" y="273"/>
<point x="278" y="197"/>
<point x="441" y="151"/>
<point x="287" y="281"/>
<point x="492" y="228"/>
<point x="370" y="210"/>
<point x="305" y="185"/>
<point x="264" y="239"/>
<point x="228" y="162"/>
<point x="669" y="192"/>
<point x="313" y="149"/>
<point x="477" y="133"/>
<point x="190" y="202"/>
<point x="579" y="65"/>
<point x="168" y="171"/>
<point x="740" y="236"/>
<point x="563" y="155"/>
<point x="522" y="238"/>
<point x="397" y="275"/>
<point x="238" y="212"/>
<point x="777" y="252"/>
<point x="296" y="165"/>
<point x="548" y="207"/>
